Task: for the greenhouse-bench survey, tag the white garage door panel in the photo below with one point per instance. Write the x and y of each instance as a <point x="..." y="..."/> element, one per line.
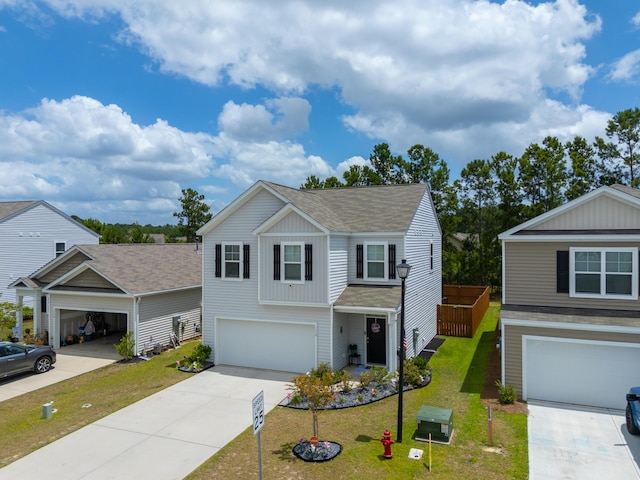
<point x="596" y="374"/>
<point x="288" y="347"/>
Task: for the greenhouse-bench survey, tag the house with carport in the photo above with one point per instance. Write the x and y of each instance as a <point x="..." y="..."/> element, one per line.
<point x="151" y="290"/>
<point x="292" y="278"/>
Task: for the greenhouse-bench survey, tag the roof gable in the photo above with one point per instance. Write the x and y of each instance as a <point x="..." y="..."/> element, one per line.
<point x="10" y="210"/>
<point x="606" y="209"/>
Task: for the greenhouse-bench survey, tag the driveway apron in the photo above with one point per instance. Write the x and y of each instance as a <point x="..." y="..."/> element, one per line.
<point x="166" y="435"/>
<point x="573" y="442"/>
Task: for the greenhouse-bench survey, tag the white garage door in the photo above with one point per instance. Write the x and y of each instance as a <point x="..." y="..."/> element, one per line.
<point x="585" y="373"/>
<point x="289" y="347"/>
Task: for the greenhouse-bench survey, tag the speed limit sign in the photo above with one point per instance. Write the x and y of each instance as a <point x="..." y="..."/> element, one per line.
<point x="258" y="412"/>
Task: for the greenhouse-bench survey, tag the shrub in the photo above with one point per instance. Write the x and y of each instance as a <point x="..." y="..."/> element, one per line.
<point x="346" y="382"/>
<point x="506" y="393"/>
<point x="412" y="374"/>
<point x="420" y="362"/>
<point x="200" y="354"/>
<point x="125" y="346"/>
<point x="379" y="374"/>
<point x="366" y="378"/>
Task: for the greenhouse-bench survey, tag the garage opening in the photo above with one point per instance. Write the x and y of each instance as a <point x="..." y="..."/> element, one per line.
<point x="289" y="347"/>
<point x="78" y="326"/>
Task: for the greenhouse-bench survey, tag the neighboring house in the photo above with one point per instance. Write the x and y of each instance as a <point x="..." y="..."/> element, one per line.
<point x="570" y="314"/>
<point x="31" y="234"/>
<point x="148" y="289"/>
<point x="292" y="277"/>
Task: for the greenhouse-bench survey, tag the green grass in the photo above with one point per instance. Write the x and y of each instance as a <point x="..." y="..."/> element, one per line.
<point x="107" y="389"/>
<point x="459" y="372"/>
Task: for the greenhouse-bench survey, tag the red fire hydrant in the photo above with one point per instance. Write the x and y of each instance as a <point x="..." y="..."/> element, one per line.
<point x="387" y="442"/>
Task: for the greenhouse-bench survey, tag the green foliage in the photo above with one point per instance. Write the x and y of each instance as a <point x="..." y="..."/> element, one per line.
<point x="126" y="346"/>
<point x="506" y="393"/>
<point x="194" y="213"/>
<point x="7" y="319"/>
<point x="420" y="362"/>
<point x="379" y="374"/>
<point x="315" y="388"/>
<point x="366" y="378"/>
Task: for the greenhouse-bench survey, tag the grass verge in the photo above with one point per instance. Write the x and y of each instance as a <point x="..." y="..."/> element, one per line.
<point x="107" y="389"/>
<point x="459" y="374"/>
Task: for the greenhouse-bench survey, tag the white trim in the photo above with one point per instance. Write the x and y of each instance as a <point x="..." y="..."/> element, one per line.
<point x="292" y="304"/>
<point x="603" y="273"/>
<point x="283" y="263"/>
<point x="582" y="238"/>
<point x="526" y="338"/>
<point x="504" y="276"/>
<point x="378" y="234"/>
<point x="293" y="234"/>
<point x="224" y="261"/>
<point x="283" y="212"/>
<point x="364" y="310"/>
<point x="385" y="262"/>
<point x="589" y="327"/>
<point x="55" y="247"/>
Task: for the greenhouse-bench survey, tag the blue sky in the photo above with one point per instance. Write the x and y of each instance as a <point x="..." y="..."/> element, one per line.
<point x="108" y="108"/>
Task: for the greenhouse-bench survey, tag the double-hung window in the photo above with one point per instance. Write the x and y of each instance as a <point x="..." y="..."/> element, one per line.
<point x="292" y="262"/>
<point x="610" y="272"/>
<point x="232" y="259"/>
<point x="60" y="247"/>
<point x="376" y="261"/>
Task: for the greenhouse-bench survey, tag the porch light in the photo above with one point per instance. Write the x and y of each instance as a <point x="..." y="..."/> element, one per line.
<point x="403" y="269"/>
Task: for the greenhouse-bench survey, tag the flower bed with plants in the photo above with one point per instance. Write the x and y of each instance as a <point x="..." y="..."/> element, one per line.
<point x="197" y="361"/>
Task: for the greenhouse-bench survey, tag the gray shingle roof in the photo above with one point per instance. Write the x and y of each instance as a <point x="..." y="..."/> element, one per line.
<point x="634" y="192"/>
<point x="147" y="267"/>
<point x="370" y="296"/>
<point x="10" y="208"/>
<point x="380" y="208"/>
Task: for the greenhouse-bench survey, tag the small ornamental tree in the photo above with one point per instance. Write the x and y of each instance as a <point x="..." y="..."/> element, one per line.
<point x="125" y="346"/>
<point x="315" y="389"/>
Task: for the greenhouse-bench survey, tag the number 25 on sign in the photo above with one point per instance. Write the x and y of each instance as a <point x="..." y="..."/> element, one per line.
<point x="258" y="412"/>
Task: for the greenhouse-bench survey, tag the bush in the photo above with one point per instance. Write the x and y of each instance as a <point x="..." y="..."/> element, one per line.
<point x="420" y="362"/>
<point x="125" y="346"/>
<point x="506" y="393"/>
<point x="366" y="378"/>
<point x="412" y="374"/>
<point x="200" y="354"/>
<point x="379" y="374"/>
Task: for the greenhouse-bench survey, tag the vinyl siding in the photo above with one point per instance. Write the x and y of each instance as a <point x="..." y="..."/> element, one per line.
<point x="530" y="276"/>
<point x="424" y="284"/>
<point x="27" y="242"/>
<point x="311" y="291"/>
<point x="600" y="213"/>
<point x="513" y="346"/>
<point x="397" y="240"/>
<point x="156" y="314"/>
<point x="338" y="266"/>
<point x="293" y="222"/>
<point x="341" y="335"/>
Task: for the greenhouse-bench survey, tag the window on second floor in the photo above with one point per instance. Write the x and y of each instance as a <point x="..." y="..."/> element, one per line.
<point x="232" y="261"/>
<point x="292" y="262"/>
<point x="60" y="248"/>
<point x="376" y="261"/>
<point x="610" y="272"/>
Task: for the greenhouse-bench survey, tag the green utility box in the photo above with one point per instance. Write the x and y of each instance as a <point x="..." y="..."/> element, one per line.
<point x="435" y="421"/>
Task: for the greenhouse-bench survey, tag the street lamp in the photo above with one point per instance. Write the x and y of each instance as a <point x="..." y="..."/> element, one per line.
<point x="403" y="273"/>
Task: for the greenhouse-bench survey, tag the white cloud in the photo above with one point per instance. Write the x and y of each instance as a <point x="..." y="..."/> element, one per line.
<point x="636" y="19"/>
<point x="626" y="68"/>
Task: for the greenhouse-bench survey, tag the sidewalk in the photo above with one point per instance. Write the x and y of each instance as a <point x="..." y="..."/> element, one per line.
<point x="164" y="436"/>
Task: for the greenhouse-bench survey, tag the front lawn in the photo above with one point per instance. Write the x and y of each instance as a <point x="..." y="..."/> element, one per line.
<point x="459" y="376"/>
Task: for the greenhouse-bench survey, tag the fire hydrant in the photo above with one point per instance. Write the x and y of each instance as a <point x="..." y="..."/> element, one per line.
<point x="387" y="442"/>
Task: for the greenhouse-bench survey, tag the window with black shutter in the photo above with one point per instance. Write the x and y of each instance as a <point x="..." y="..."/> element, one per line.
<point x="562" y="271"/>
<point x="392" y="262"/>
<point x="360" y="261"/>
<point x="308" y="262"/>
<point x="245" y="261"/>
<point x="276" y="262"/>
<point x="218" y="260"/>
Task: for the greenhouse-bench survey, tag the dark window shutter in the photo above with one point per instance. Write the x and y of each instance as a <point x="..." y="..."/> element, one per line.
<point x="392" y="262"/>
<point x="360" y="261"/>
<point x="245" y="261"/>
<point x="218" y="265"/>
<point x="276" y="262"/>
<point x="431" y="256"/>
<point x="43" y="304"/>
<point x="308" y="261"/>
<point x="562" y="271"/>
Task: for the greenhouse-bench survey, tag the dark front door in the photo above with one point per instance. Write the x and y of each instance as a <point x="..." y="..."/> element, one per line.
<point x="376" y="341"/>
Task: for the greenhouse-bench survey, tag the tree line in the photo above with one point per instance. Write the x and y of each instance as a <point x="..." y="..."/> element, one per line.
<point x="496" y="194"/>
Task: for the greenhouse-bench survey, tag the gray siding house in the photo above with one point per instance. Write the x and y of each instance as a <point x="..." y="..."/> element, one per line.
<point x="570" y="314"/>
<point x="292" y="277"/>
<point x="31" y="234"/>
<point x="151" y="290"/>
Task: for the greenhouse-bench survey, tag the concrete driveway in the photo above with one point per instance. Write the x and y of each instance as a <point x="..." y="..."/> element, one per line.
<point x="572" y="442"/>
<point x="71" y="361"/>
<point x="166" y="435"/>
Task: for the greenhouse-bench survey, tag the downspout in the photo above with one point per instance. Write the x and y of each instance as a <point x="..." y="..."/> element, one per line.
<point x="136" y="320"/>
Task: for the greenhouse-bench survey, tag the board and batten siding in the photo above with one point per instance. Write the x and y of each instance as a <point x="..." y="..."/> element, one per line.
<point x="69" y="264"/>
<point x="280" y="291"/>
<point x="90" y="279"/>
<point x="530" y="276"/>
<point x="513" y="345"/>
<point x="424" y="284"/>
<point x="602" y="212"/>
<point x="338" y="266"/>
<point x="238" y="227"/>
<point x="85" y="303"/>
<point x="156" y="314"/>
<point x="27" y="242"/>
<point x="292" y="222"/>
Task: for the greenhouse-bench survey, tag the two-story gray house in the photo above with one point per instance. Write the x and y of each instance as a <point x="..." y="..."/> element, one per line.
<point x="292" y="277"/>
<point x="32" y="233"/>
<point x="570" y="314"/>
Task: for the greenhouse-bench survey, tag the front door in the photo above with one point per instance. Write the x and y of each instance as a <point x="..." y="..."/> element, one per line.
<point x="376" y="340"/>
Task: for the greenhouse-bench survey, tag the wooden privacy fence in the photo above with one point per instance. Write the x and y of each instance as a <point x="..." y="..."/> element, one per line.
<point x="462" y="310"/>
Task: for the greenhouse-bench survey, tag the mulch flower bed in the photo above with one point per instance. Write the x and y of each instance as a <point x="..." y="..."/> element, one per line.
<point x="322" y="452"/>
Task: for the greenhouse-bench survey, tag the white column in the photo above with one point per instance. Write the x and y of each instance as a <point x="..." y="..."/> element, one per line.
<point x="19" y="318"/>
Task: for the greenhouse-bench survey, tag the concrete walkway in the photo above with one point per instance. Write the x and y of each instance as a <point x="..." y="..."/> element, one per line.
<point x="573" y="442"/>
<point x="164" y="436"/>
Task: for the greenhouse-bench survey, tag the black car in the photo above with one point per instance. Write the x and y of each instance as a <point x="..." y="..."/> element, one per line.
<point x="16" y="358"/>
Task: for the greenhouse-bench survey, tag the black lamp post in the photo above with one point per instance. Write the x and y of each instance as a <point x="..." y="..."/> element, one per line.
<point x="403" y="273"/>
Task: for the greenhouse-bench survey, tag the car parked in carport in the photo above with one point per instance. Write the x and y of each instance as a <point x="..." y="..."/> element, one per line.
<point x="15" y="358"/>
<point x="632" y="412"/>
